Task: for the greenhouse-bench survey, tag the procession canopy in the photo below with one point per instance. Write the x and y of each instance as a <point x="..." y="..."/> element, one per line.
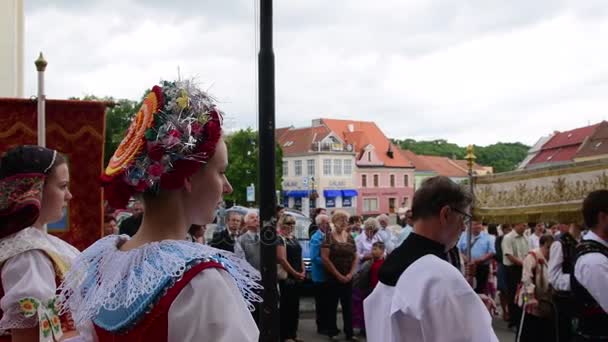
<point x="553" y="194"/>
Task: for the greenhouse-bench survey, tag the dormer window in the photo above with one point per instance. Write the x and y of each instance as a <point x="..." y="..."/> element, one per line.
<point x="288" y="143"/>
<point x="569" y="135"/>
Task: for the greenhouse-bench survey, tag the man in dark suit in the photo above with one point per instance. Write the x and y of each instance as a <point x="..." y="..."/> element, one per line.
<point x="225" y="239"/>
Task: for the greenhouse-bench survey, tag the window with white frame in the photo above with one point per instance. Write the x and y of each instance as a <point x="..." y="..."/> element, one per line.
<point x="285" y="168"/>
<point x="406" y="180"/>
<point x="364" y="181"/>
<point x="370" y="204"/>
<point x="310" y="167"/>
<point x="376" y="181"/>
<point x="326" y="167"/>
<point x="298" y="167"/>
<point x="337" y="167"/>
<point x="348" y="167"/>
<point x="392" y="181"/>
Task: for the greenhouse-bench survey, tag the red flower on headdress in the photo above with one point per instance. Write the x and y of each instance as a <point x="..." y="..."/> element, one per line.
<point x="156" y="170"/>
<point x="155" y="151"/>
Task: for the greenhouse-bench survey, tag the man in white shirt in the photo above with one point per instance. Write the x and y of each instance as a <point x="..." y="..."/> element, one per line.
<point x="515" y="247"/>
<point x="561" y="266"/>
<point x="533" y="239"/>
<point x="420" y="296"/>
<point x="591" y="271"/>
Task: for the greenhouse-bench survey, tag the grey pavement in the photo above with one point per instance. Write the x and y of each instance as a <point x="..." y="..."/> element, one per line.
<point x="307" y="328"/>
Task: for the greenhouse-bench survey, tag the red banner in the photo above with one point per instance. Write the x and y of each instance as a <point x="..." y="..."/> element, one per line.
<point x="75" y="128"/>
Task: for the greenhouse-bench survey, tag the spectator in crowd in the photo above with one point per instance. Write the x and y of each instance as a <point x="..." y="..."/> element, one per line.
<point x="539" y="230"/>
<point x="354" y="226"/>
<point x="482" y="251"/>
<point x="109" y="226"/>
<point x="319" y="276"/>
<point x="313" y="226"/>
<point x="196" y="233"/>
<point x="407" y="229"/>
<point x="384" y="234"/>
<point x="401" y="211"/>
<point x="515" y="247"/>
<point x="130" y="225"/>
<point x="364" y="244"/>
<point x="501" y="273"/>
<point x="226" y="238"/>
<point x="248" y="245"/>
<point x="534" y="295"/>
<point x="339" y="256"/>
<point x="291" y="273"/>
<point x="378" y="252"/>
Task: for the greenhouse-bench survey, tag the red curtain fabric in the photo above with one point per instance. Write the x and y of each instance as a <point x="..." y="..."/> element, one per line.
<point x="75" y="128"/>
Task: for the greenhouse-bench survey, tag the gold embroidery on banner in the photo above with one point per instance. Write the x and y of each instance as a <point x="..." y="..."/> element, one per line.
<point x="14" y="128"/>
<point x="75" y="136"/>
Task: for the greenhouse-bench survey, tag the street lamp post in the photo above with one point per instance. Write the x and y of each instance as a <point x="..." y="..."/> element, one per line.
<point x="268" y="315"/>
<point x="470" y="158"/>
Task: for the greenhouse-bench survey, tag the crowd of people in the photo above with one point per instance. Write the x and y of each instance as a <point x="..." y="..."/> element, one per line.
<point x="425" y="279"/>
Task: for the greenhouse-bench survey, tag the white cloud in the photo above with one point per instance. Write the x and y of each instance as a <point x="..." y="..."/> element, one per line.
<point x="467" y="71"/>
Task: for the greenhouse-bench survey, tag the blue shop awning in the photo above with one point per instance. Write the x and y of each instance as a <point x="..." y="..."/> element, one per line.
<point x="297" y="193"/>
<point x="332" y="193"/>
<point x="349" y="193"/>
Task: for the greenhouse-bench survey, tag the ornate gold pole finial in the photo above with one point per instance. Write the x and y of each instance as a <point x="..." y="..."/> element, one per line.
<point x="470" y="158"/>
<point x="41" y="63"/>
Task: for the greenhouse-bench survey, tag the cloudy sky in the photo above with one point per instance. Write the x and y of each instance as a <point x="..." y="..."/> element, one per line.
<point x="470" y="71"/>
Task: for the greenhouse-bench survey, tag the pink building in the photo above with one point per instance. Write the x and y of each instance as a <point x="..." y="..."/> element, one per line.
<point x="384" y="177"/>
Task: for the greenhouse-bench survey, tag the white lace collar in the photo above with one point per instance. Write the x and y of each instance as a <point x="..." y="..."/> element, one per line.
<point x="34" y="238"/>
<point x="104" y="276"/>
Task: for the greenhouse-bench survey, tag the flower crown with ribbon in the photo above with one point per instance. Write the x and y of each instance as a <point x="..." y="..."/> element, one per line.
<point x="175" y="131"/>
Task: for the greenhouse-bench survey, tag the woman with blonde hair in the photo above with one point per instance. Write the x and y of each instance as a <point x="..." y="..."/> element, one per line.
<point x="291" y="274"/>
<point x="339" y="256"/>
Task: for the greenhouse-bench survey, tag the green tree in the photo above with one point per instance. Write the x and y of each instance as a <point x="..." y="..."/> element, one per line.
<point x="501" y="156"/>
<point x="243" y="160"/>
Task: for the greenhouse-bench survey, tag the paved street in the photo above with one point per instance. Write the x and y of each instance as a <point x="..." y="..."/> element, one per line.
<point x="307" y="328"/>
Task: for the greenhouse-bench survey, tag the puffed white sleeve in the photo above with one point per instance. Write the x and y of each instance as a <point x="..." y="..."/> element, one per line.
<point x="211" y="308"/>
<point x="29" y="274"/>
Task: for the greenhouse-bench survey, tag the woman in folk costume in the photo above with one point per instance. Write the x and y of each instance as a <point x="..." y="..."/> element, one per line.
<point x="156" y="286"/>
<point x="33" y="192"/>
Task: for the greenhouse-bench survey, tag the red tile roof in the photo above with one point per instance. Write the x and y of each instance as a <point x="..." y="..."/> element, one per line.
<point x="573" y="137"/>
<point x="563" y="146"/>
<point x="364" y="133"/>
<point x="299" y="140"/>
<point x="443" y="166"/>
<point x="597" y="144"/>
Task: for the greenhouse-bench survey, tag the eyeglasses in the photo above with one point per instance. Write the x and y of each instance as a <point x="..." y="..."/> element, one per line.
<point x="466" y="217"/>
<point x="289" y="223"/>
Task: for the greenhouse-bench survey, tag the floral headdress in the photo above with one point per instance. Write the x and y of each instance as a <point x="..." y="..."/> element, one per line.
<point x="175" y="130"/>
<point x="23" y="171"/>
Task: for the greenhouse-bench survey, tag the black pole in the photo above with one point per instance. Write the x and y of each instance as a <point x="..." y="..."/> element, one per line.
<point x="269" y="318"/>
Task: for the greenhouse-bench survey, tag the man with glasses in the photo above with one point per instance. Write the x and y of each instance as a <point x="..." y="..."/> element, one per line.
<point x="482" y="251"/>
<point x="515" y="247"/>
<point x="420" y="296"/>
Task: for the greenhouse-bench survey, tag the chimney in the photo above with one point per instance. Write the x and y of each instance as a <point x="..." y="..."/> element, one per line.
<point x="389" y="153"/>
<point x="351" y="127"/>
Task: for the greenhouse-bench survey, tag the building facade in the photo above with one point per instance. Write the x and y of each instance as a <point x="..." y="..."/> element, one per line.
<point x="384" y="177"/>
<point x="318" y="170"/>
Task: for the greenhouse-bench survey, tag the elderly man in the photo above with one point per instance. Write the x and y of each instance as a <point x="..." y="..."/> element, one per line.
<point x="421" y="296"/>
<point x="226" y="238"/>
<point x="248" y="245"/>
<point x="384" y="234"/>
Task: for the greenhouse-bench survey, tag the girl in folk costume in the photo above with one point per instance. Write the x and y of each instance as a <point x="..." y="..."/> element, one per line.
<point x="534" y="294"/>
<point x="33" y="192"/>
<point x="156" y="286"/>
